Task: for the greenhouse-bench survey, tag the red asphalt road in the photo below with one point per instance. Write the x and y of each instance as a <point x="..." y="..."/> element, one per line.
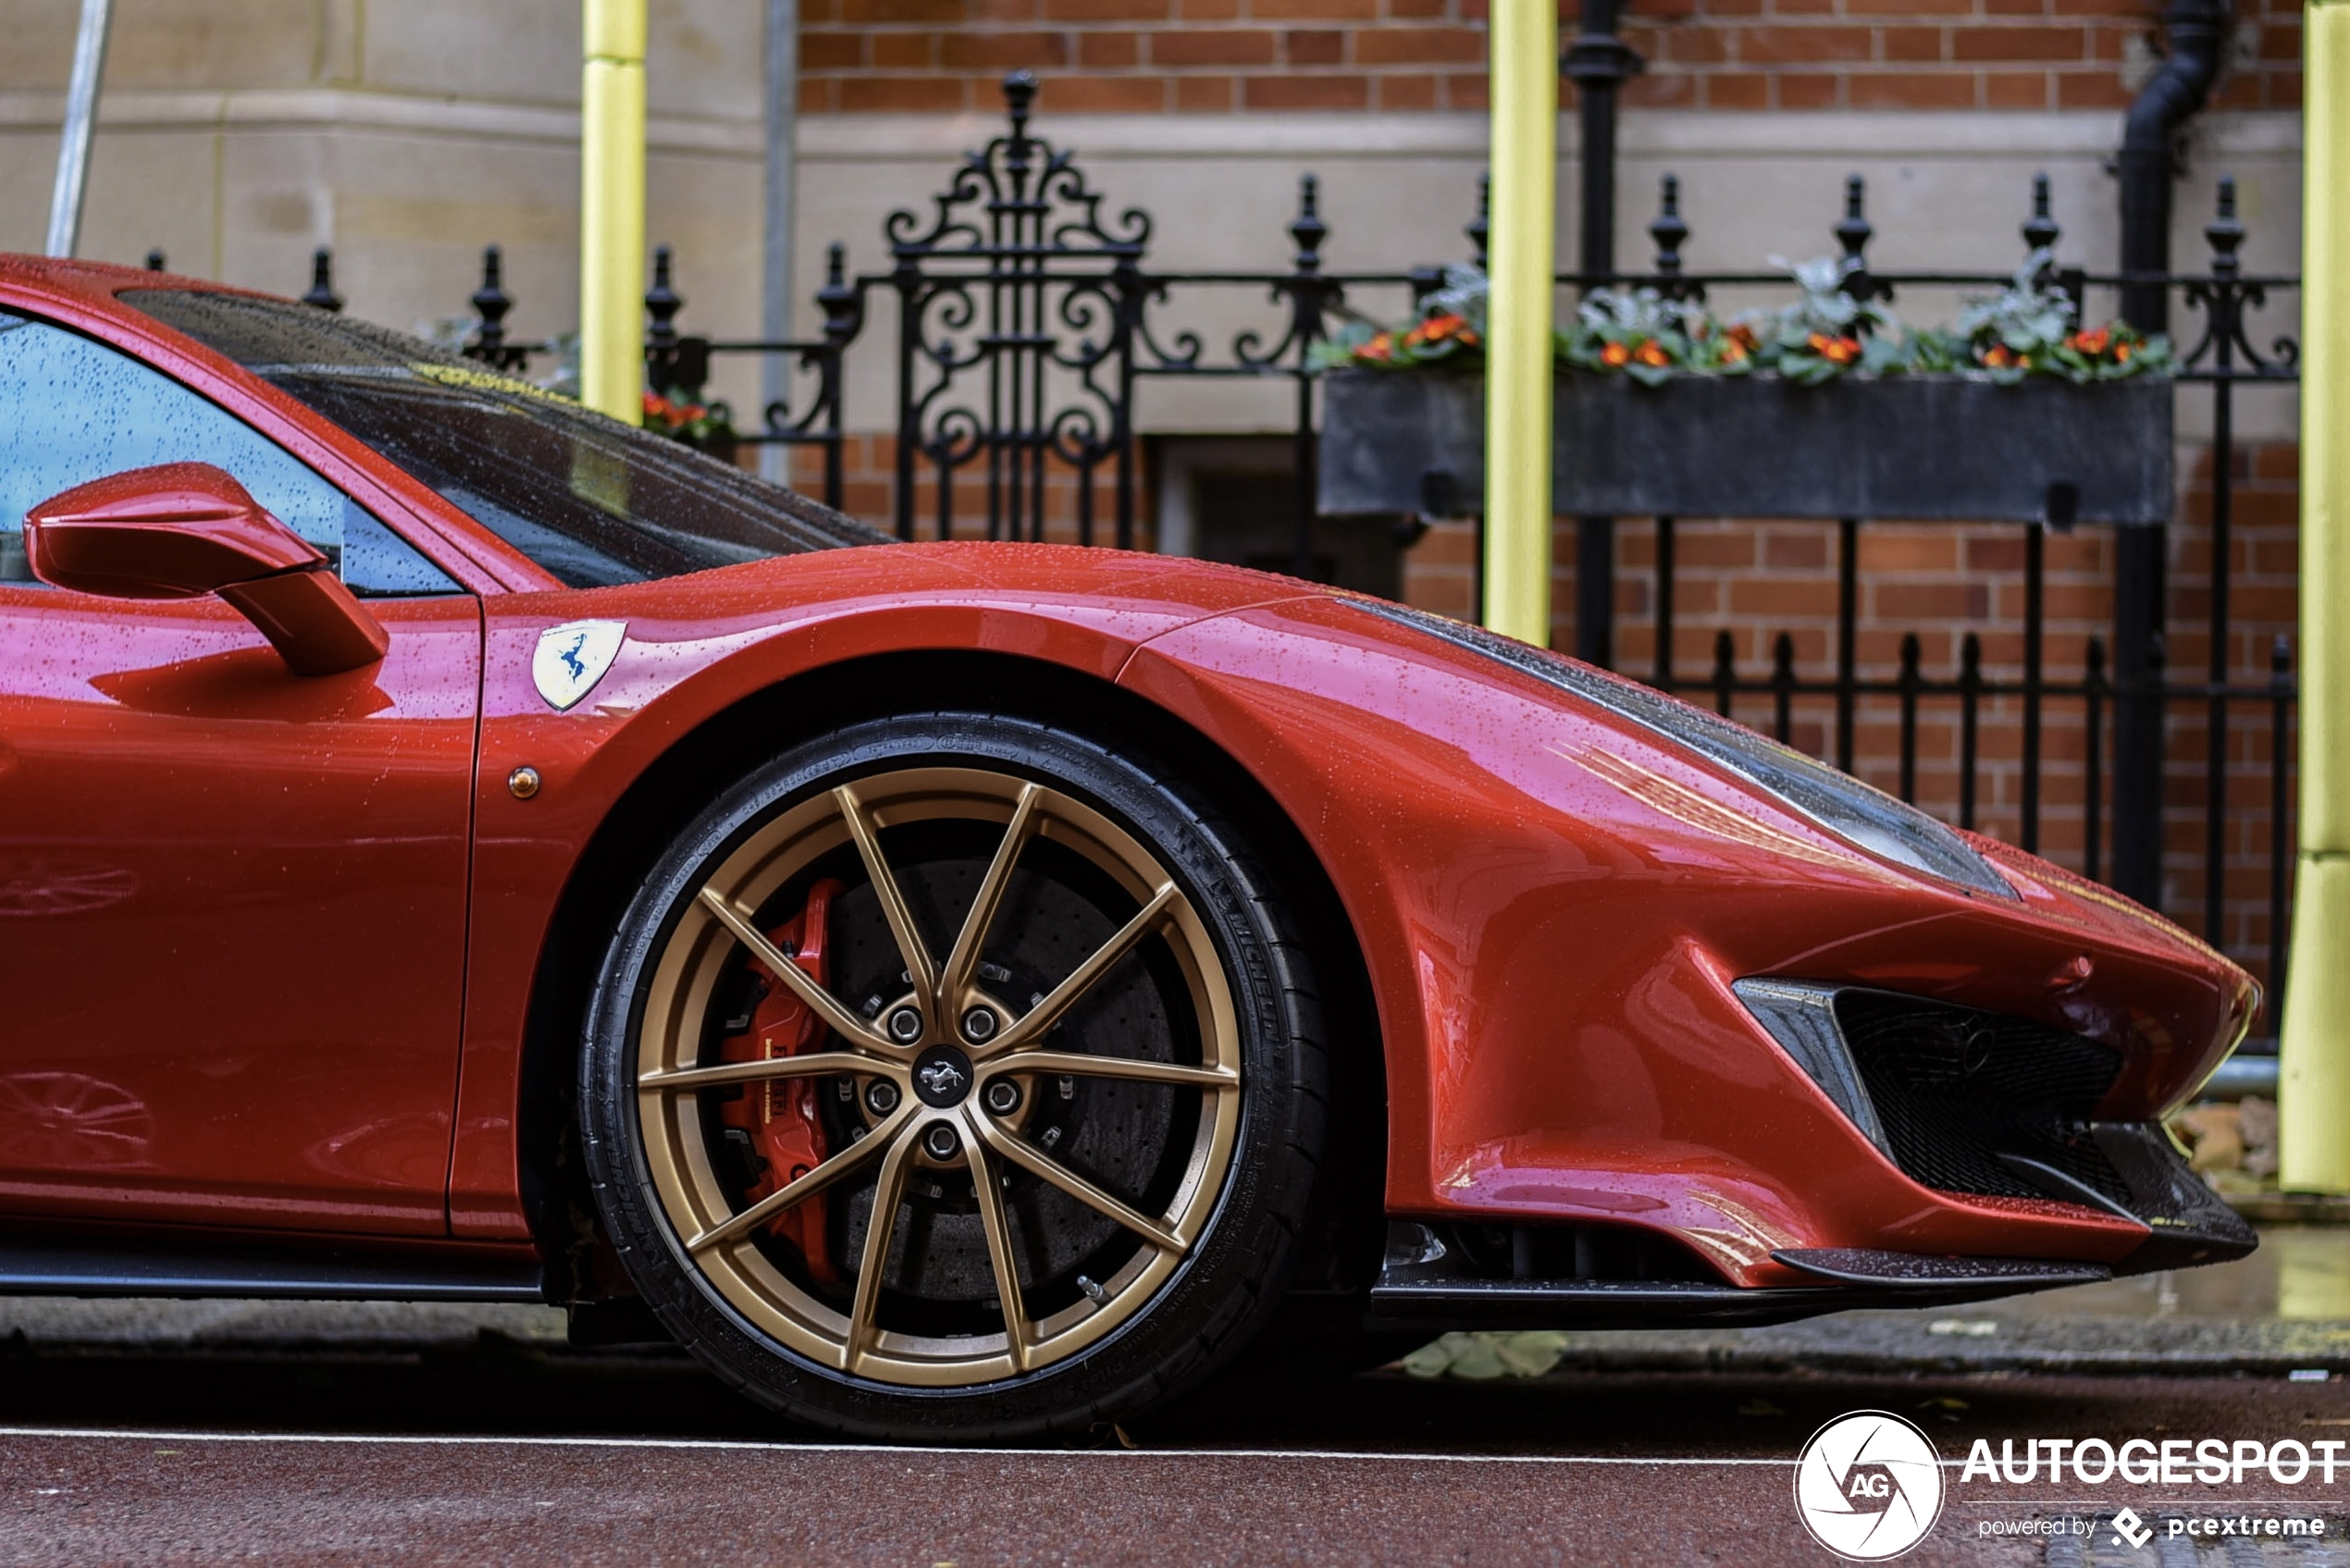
<point x="180" y="1498"/>
<point x="498" y="1458"/>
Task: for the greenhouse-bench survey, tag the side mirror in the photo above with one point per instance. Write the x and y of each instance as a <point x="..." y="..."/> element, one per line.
<point x="182" y="529"/>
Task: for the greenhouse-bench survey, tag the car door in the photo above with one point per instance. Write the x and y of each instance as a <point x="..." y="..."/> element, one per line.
<point x="232" y="899"/>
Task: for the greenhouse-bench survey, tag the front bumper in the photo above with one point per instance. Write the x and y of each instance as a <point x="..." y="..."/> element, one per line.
<point x="1974" y="1102"/>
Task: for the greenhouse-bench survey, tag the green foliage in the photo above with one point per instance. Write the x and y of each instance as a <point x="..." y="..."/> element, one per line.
<point x="1641" y="333"/>
<point x="1452" y="328"/>
<point x="1482" y="1357"/>
<point x="2025" y="330"/>
<point x="2022" y="331"/>
<point x="1465" y="292"/>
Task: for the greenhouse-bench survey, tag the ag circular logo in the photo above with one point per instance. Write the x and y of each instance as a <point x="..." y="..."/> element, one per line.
<point x="1868" y="1485"/>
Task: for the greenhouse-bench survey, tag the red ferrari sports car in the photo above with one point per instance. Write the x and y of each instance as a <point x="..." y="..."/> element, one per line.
<point x="453" y="845"/>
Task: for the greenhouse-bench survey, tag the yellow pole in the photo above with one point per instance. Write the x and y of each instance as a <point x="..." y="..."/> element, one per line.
<point x="2313" y="1092"/>
<point x="612" y="210"/>
<point x="1525" y="44"/>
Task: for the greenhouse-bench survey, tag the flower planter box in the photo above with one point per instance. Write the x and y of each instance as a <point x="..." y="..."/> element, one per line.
<point x="1919" y="448"/>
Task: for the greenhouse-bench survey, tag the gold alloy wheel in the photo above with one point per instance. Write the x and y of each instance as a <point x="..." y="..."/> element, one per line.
<point x="946" y="1049"/>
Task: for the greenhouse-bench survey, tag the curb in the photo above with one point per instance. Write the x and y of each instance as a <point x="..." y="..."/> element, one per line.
<point x="1906" y="1344"/>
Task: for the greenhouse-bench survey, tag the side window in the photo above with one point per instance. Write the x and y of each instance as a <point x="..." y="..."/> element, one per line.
<point x="73" y="409"/>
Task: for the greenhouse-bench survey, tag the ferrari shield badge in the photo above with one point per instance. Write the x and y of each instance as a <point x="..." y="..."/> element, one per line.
<point x="573" y="657"/>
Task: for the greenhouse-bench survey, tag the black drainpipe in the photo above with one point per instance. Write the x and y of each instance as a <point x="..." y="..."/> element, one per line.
<point x="2195" y="32"/>
<point x="1599" y="63"/>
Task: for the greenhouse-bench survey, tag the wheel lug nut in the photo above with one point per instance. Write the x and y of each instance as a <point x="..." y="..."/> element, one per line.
<point x="940" y="1141"/>
<point x="906" y="1025"/>
<point x="1003" y="1096"/>
<point x="978" y="1025"/>
<point x="881" y="1096"/>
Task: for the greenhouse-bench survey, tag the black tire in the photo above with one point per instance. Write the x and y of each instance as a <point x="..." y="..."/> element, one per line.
<point x="1210" y="1296"/>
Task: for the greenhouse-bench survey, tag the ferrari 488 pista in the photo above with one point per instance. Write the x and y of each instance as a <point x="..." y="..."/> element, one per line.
<point x="453" y="846"/>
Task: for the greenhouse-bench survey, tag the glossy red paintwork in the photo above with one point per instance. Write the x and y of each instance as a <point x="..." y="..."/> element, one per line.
<point x="315" y="624"/>
<point x="174" y="531"/>
<point x="235" y="905"/>
<point x="1552" y="903"/>
<point x="182" y="529"/>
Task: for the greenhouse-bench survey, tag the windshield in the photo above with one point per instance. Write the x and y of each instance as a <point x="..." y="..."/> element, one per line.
<point x="591" y="501"/>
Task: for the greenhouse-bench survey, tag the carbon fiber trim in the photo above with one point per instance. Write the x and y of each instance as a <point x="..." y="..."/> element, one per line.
<point x="1801" y="1016"/>
<point x="47" y="1268"/>
<point x="1860" y="1265"/>
<point x="2190" y="1222"/>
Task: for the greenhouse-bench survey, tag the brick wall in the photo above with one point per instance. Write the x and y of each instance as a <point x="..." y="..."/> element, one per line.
<point x="1937" y="54"/>
<point x="869" y="489"/>
<point x="1150" y="57"/>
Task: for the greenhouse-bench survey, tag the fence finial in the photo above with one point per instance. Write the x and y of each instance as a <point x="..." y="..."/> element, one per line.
<point x="490" y="302"/>
<point x="322" y="281"/>
<point x="156" y="260"/>
<point x="836" y="298"/>
<point x="662" y="302"/>
<point x="1854" y="230"/>
<point x="1020" y="93"/>
<point x="2040" y="230"/>
<point x="2225" y="232"/>
<point x="1308" y="228"/>
<point x="1667" y="229"/>
<point x="1853" y="233"/>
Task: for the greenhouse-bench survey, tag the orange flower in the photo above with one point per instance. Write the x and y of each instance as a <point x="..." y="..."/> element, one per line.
<point x="2093" y="343"/>
<point x="1652" y="352"/>
<point x="1997" y="356"/>
<point x="2122" y="353"/>
<point x="1836" y="351"/>
<point x="1743" y="336"/>
<point x="1436" y="328"/>
<point x="660" y="407"/>
<point x="1733" y="352"/>
<point x="1615" y="356"/>
<point x="1381" y="350"/>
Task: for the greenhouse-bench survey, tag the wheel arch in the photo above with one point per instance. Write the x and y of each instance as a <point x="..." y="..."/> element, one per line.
<point x="1346" y="1229"/>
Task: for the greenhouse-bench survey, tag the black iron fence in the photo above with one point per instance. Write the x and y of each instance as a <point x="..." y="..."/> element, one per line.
<point x="1028" y="324"/>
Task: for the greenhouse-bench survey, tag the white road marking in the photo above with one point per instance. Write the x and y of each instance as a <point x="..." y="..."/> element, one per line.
<point x="722" y="1445"/>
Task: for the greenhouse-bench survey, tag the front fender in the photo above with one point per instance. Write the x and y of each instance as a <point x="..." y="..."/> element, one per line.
<point x="696" y="649"/>
<point x="1553" y="903"/>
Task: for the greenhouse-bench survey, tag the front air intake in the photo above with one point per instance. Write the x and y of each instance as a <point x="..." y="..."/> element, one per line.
<point x="1963" y="1096"/>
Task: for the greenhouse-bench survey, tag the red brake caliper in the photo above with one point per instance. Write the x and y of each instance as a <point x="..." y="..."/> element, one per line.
<point x="780" y="1115"/>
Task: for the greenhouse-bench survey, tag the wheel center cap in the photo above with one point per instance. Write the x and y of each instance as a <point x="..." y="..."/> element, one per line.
<point x="942" y="1076"/>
